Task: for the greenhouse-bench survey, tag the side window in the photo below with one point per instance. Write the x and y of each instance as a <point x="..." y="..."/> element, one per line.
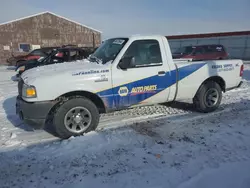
<point x="72" y="55"/>
<point x="59" y="57"/>
<point x="144" y="53"/>
<point x="76" y="54"/>
<point x="82" y="54"/>
<point x="37" y="52"/>
<point x="209" y="49"/>
<point x="199" y="51"/>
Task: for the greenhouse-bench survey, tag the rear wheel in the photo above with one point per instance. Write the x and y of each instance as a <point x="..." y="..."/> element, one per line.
<point x="208" y="97"/>
<point x="75" y="117"/>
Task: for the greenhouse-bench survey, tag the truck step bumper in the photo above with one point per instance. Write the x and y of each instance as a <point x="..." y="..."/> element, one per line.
<point x="239" y="85"/>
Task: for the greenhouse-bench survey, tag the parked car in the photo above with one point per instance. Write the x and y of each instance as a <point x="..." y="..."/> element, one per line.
<point x="33" y="55"/>
<point x="201" y="52"/>
<point x="122" y="73"/>
<point x="65" y="54"/>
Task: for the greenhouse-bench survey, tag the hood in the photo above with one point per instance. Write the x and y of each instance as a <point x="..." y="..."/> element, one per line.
<point x="31" y="61"/>
<point x="20" y="56"/>
<point x="72" y="68"/>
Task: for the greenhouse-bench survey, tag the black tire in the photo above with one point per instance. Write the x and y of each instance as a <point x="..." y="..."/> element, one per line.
<point x="201" y="98"/>
<point x="61" y="111"/>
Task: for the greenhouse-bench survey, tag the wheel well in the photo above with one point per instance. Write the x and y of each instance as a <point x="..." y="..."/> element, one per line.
<point x="218" y="80"/>
<point x="91" y="96"/>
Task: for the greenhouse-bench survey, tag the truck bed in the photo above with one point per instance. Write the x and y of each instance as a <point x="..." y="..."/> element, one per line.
<point x="190" y="74"/>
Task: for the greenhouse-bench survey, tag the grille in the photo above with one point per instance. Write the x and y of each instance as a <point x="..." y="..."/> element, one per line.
<point x="20" y="87"/>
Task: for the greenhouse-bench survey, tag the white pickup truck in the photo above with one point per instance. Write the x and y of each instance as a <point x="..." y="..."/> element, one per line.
<point x="121" y="73"/>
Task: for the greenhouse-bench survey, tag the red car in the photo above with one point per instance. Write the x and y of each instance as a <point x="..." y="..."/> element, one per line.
<point x="201" y="52"/>
<point x="35" y="54"/>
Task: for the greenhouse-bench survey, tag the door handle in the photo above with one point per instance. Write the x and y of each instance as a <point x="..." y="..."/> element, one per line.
<point x="161" y="73"/>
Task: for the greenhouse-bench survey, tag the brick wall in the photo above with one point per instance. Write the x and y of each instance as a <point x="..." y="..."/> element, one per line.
<point x="44" y="30"/>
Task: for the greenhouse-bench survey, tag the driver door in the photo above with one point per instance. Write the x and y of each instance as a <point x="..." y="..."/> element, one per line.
<point x="144" y="82"/>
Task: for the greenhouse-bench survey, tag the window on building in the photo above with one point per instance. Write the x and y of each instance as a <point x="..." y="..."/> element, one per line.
<point x="23" y="47"/>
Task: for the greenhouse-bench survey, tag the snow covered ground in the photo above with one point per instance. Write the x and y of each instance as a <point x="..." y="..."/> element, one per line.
<point x="159" y="146"/>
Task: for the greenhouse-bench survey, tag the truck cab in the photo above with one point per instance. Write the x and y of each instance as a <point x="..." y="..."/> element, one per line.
<point x="139" y="71"/>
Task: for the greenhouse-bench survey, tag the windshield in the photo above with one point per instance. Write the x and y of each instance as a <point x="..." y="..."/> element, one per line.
<point x="184" y="50"/>
<point x="108" y="50"/>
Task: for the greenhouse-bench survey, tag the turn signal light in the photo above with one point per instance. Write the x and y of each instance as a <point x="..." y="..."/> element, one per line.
<point x="30" y="92"/>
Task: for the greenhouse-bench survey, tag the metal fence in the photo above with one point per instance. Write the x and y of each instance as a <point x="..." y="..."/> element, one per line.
<point x="238" y="47"/>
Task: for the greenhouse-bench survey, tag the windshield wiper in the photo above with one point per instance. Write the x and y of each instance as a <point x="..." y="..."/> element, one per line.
<point x="96" y="59"/>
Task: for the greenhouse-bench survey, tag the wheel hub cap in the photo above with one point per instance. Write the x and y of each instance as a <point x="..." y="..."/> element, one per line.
<point x="212" y="97"/>
<point x="77" y="119"/>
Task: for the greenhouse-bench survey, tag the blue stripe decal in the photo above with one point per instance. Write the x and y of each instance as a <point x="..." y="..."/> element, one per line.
<point x="135" y="92"/>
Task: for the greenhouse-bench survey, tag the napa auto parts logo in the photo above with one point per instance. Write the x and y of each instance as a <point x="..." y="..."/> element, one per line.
<point x="124" y="91"/>
<point x="143" y="89"/>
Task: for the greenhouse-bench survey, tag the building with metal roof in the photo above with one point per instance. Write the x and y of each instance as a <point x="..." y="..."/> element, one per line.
<point x="44" y="30"/>
<point x="236" y="43"/>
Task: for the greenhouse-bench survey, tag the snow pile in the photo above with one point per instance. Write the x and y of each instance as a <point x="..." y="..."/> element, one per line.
<point x="150" y="147"/>
<point x="228" y="175"/>
<point x="181" y="153"/>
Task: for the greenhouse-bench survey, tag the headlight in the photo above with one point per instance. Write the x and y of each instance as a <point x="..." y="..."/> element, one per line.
<point x="22" y="68"/>
<point x="29" y="91"/>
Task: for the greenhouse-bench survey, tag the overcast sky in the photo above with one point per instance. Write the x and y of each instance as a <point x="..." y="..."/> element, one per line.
<point x="126" y="17"/>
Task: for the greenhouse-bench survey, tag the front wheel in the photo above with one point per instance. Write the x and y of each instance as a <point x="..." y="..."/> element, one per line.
<point x="75" y="117"/>
<point x="208" y="97"/>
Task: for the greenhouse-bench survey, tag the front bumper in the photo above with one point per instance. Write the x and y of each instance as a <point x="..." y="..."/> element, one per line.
<point x="33" y="113"/>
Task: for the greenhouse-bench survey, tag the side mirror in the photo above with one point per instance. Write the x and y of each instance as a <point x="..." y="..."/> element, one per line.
<point x="127" y="62"/>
